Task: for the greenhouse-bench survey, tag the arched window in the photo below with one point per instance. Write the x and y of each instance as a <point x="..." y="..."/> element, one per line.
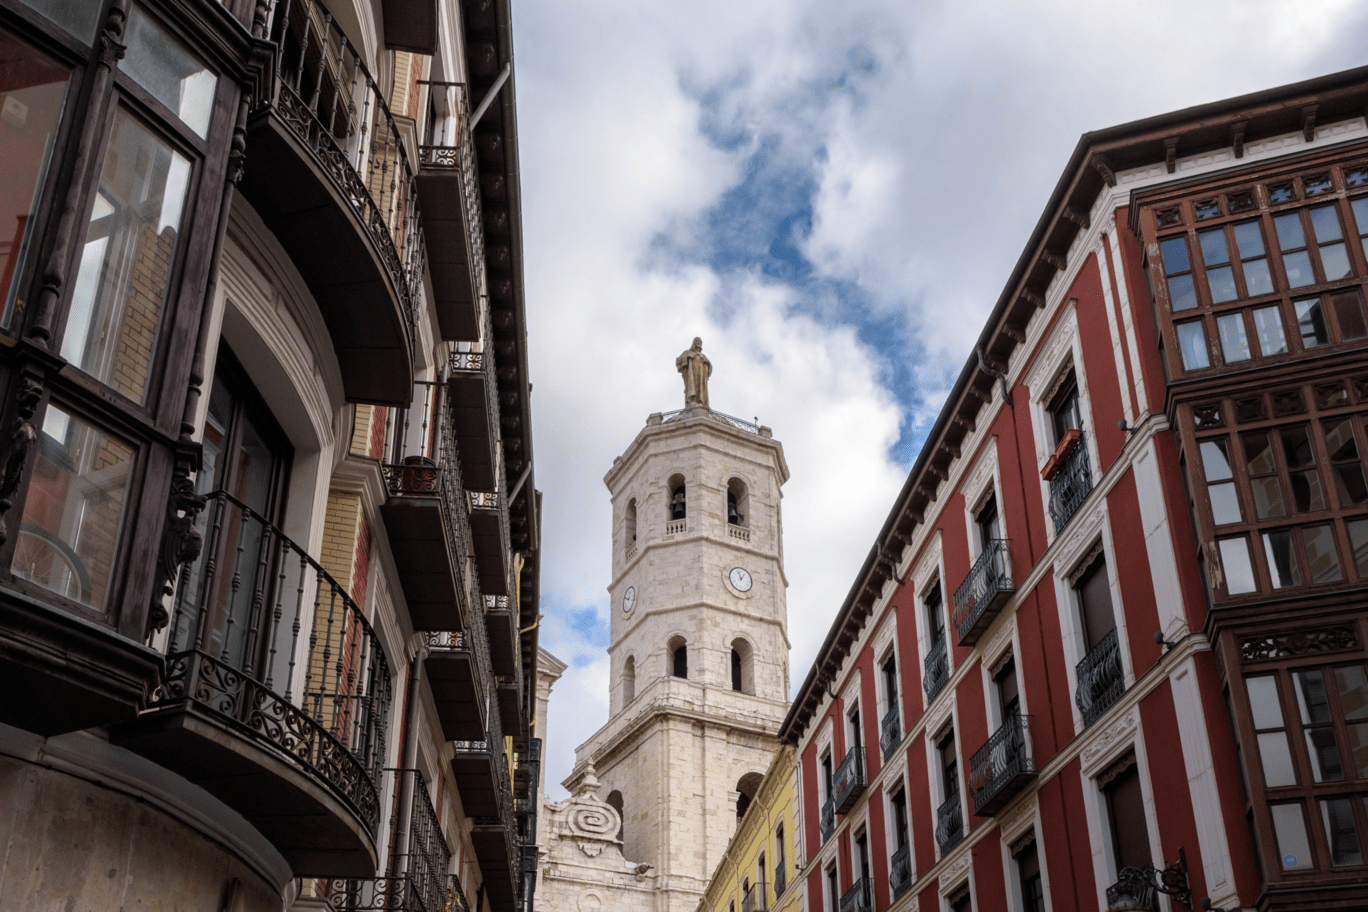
<point x="746" y="788"/>
<point x="679" y="657"/>
<point x="615" y="802"/>
<point x="630" y="537"/>
<point x="742" y="666"/>
<point x="678" y="508"/>
<point x="629" y="680"/>
<point x="738" y="503"/>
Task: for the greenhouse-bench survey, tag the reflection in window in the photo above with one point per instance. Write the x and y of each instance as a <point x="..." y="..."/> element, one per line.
<point x="73" y="517"/>
<point x="1263" y="475"/>
<point x="1353" y="699"/>
<point x="1225" y="504"/>
<point x="1311" y="323"/>
<point x="1253" y="258"/>
<point x="1318" y="725"/>
<point x="1282" y="562"/>
<point x="1321" y="557"/>
<point x="1334" y="258"/>
<point x="1192" y="344"/>
<point x="1216" y="258"/>
<point x="1268" y="327"/>
<point x="1239" y="572"/>
<point x="170" y="73"/>
<point x="76" y="16"/>
<point x="1358" y="540"/>
<point x="1301" y="465"/>
<point x="1344" y="458"/>
<point x="1349" y="314"/>
<point x="1289" y="826"/>
<point x="1234" y="343"/>
<point x="1182" y="293"/>
<point x="1340" y="831"/>
<point x="1361" y="216"/>
<point x="1275" y="754"/>
<point x="1292" y="242"/>
<point x="123" y="280"/>
<point x="32" y="92"/>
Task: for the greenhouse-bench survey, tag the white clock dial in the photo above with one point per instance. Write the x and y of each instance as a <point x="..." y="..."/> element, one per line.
<point x="740" y="578"/>
<point x="628" y="599"/>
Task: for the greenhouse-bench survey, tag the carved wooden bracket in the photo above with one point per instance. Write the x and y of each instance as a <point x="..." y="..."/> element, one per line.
<point x="17" y="444"/>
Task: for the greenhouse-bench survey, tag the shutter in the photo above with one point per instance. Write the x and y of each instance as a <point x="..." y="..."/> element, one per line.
<point x="1126" y="807"/>
<point x="1094" y="592"/>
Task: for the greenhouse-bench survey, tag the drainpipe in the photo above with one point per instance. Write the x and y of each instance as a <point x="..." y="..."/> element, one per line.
<point x="408" y="764"/>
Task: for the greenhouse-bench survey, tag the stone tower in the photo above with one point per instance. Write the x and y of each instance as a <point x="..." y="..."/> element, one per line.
<point x="699" y="681"/>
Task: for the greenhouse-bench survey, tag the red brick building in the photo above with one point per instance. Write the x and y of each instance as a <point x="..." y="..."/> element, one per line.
<point x="1114" y="618"/>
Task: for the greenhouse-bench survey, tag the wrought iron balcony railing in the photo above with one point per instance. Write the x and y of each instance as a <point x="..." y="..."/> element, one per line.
<point x="461" y="159"/>
<point x="849" y="782"/>
<point x="937" y="673"/>
<point x="984" y="591"/>
<point x="326" y="96"/>
<point x="1001" y="767"/>
<point x="949" y="824"/>
<point x="263" y="637"/>
<point x="900" y="871"/>
<point x="827" y="820"/>
<point x="756" y="898"/>
<point x="738" y="423"/>
<point x="413" y="443"/>
<point x="1101" y="679"/>
<point x="428" y="856"/>
<point x="890" y="730"/>
<point x="780" y="880"/>
<point x="859" y="898"/>
<point x="387" y="894"/>
<point x="1070" y="485"/>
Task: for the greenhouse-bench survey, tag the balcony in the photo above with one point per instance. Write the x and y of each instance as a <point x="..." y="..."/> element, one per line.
<point x="1002" y="767"/>
<point x="827" y="821"/>
<point x="900" y="871"/>
<point x="1070" y="476"/>
<point x="890" y="731"/>
<point x="475" y="418"/>
<point x="676" y="527"/>
<point x="500" y="854"/>
<point x="984" y="591"/>
<point x="937" y="673"/>
<point x="422" y="522"/>
<point x="491" y="542"/>
<point x="756" y="898"/>
<point x="329" y="176"/>
<point x="859" y="898"/>
<point x="949" y="824"/>
<point x="411" y="25"/>
<point x="276" y="695"/>
<point x="780" y="880"/>
<point x="527" y="775"/>
<point x="459" y="675"/>
<point x="449" y="189"/>
<point x="502" y="625"/>
<point x="849" y="782"/>
<point x="1101" y="679"/>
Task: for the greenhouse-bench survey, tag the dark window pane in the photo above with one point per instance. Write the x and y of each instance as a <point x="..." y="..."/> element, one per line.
<point x="1306" y="486"/>
<point x="1282" y="562"/>
<point x="1126" y="810"/>
<point x="1358" y="540"/>
<point x="1175" y="255"/>
<point x="1349" y="312"/>
<point x="1339" y="440"/>
<point x="1192" y="343"/>
<point x="1182" y="293"/>
<point x="1340" y="831"/>
<point x="1214" y="249"/>
<point x="1321" y="555"/>
<point x="1269" y="328"/>
<point x="1094" y="596"/>
<point x="33" y="92"/>
<point x="1314" y="706"/>
<point x="1311" y="322"/>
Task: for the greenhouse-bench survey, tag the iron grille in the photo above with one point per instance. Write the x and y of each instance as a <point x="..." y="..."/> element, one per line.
<point x="949" y="823"/>
<point x="890" y="731"/>
<point x="1101" y="680"/>
<point x="1000" y="767"/>
<point x="1070" y="485"/>
<point x="984" y="590"/>
<point x="937" y="669"/>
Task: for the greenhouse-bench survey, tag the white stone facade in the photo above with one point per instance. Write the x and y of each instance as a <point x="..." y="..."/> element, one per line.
<point x="677" y="752"/>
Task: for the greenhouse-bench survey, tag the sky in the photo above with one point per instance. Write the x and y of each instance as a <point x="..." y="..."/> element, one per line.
<point x="832" y="195"/>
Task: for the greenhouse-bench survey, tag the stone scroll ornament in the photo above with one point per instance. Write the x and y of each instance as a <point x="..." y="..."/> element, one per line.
<point x="181" y="543"/>
<point x="17" y="444"/>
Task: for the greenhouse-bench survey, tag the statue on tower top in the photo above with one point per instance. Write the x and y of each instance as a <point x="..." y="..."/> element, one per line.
<point x="696" y="369"/>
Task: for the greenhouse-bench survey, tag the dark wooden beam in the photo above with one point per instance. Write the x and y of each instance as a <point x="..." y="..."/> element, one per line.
<point x="1237" y="137"/>
<point x="1171" y="153"/>
<point x="1054" y="259"/>
<point x="1077" y="216"/>
<point x="1309" y="121"/>
<point x="1103" y="166"/>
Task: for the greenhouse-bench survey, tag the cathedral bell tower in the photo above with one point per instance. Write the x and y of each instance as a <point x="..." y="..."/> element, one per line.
<point x="699" y="681"/>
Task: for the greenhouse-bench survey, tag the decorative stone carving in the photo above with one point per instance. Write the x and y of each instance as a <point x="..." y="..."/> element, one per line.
<point x="17" y="445"/>
<point x="181" y="543"/>
<point x="1108" y="741"/>
<point x="1017" y="820"/>
<point x="955" y="872"/>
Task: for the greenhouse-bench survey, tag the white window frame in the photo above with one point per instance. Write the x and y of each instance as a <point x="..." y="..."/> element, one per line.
<point x="895" y="781"/>
<point x="983" y="481"/>
<point x="930" y="566"/>
<point x="1007" y="642"/>
<point x="937" y="790"/>
<point x="1108" y="746"/>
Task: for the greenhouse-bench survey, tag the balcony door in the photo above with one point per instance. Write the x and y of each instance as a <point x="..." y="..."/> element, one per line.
<point x="247" y="456"/>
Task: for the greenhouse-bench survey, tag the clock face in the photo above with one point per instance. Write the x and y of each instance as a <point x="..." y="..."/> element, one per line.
<point x="740" y="578"/>
<point x="628" y="599"/>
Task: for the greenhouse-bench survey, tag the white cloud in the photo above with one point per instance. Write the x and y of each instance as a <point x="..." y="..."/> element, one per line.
<point x="933" y="132"/>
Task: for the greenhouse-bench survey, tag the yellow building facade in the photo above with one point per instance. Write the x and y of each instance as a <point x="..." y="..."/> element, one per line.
<point x="758" y="872"/>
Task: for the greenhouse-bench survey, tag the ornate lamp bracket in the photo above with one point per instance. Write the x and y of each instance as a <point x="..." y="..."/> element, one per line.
<point x="1138" y="888"/>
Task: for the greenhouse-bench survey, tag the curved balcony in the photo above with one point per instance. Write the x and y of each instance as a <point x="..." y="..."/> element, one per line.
<point x="423" y="514"/>
<point x="449" y="189"/>
<point x="1069" y="473"/>
<point x="276" y="695"/>
<point x="827" y="821"/>
<point x="849" y="782"/>
<point x="937" y="673"/>
<point x="900" y="871"/>
<point x="1002" y="767"/>
<point x="327" y="171"/>
<point x="984" y="591"/>
<point x="890" y="731"/>
<point x="949" y="824"/>
<point x="756" y="898"/>
<point x="1101" y="678"/>
<point x="859" y="898"/>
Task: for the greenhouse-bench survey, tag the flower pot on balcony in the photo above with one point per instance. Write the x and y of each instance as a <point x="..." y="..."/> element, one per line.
<point x="1061" y="454"/>
<point x="418" y="475"/>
